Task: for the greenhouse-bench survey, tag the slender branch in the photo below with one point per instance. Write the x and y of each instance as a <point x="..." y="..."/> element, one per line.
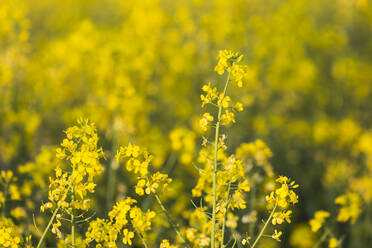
<point x="113" y="166"/>
<point x="234" y="243"/>
<point x="167" y="169"/>
<point x="6" y="186"/>
<point x="34" y="222"/>
<point x="170" y="220"/>
<point x="264" y="227"/>
<point x="53" y="217"/>
<point x="322" y="238"/>
<point x="47" y="228"/>
<point x="141" y="237"/>
<point x="72" y="215"/>
<point x="225" y="214"/>
<point x="253" y="203"/>
<point x="215" y="167"/>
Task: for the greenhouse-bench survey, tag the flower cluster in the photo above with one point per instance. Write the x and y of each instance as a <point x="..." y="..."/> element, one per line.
<point x="198" y="233"/>
<point x="5" y="178"/>
<point x="102" y="232"/>
<point x="10" y="234"/>
<point x="183" y="141"/>
<point x="256" y="153"/>
<point x="350" y="207"/>
<point x="333" y="243"/>
<point x="316" y="224"/>
<point x="141" y="221"/>
<point x="165" y="244"/>
<point x="66" y="243"/>
<point x="210" y="94"/>
<point x="105" y="232"/>
<point x="10" y="188"/>
<point x="276" y="235"/>
<point x="69" y="188"/>
<point x="222" y="179"/>
<point x="279" y="200"/>
<point x="138" y="161"/>
<point x="232" y="172"/>
<point x="76" y="63"/>
<point x="229" y="61"/>
<point x="319" y="218"/>
<point x="284" y="195"/>
<point x="205" y="120"/>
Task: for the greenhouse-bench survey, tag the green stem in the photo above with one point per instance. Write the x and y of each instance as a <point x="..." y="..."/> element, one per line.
<point x="53" y="216"/>
<point x="72" y="217"/>
<point x="225" y="214"/>
<point x="321" y="240"/>
<point x="47" y="228"/>
<point x="111" y="180"/>
<point x="215" y="167"/>
<point x="141" y="237"/>
<point x="264" y="227"/>
<point x="170" y="220"/>
<point x="5" y="196"/>
<point x="253" y="204"/>
<point x="168" y="168"/>
<point x="72" y="229"/>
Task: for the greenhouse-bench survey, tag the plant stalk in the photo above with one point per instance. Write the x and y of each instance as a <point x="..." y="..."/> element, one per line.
<point x="215" y="166"/>
<point x="264" y="227"/>
<point x="170" y="220"/>
<point x="322" y="238"/>
<point x="52" y="218"/>
<point x="224" y="216"/>
<point x="5" y="196"/>
<point x="141" y="237"/>
<point x="111" y="180"/>
<point x="72" y="217"/>
<point x="47" y="228"/>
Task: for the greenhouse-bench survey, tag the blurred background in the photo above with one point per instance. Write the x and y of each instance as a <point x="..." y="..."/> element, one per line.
<point x="135" y="68"/>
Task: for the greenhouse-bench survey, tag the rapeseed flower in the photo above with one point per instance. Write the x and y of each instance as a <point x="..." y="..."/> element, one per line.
<point x="318" y="220"/>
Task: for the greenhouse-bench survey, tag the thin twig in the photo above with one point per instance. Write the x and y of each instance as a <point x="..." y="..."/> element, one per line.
<point x="170" y="220"/>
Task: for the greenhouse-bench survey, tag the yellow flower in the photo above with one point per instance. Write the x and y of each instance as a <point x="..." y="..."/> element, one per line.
<point x="225" y="60"/>
<point x="350" y="207"/>
<point x="14" y="192"/>
<point x="18" y="213"/>
<point x="10" y="234"/>
<point x="276" y="235"/>
<point x="204" y="121"/>
<point x="244" y="186"/>
<point x="232" y="220"/>
<point x="69" y="189"/>
<point x="238" y="72"/>
<point x="318" y="220"/>
<point x="139" y="187"/>
<point x="223" y="100"/>
<point x="101" y="231"/>
<point x="283" y="196"/>
<point x="138" y="161"/>
<point x="165" y="244"/>
<point x="2" y="198"/>
<point x="183" y="141"/>
<point x="333" y="243"/>
<point x="210" y="96"/>
<point x="227" y="118"/>
<point x="132" y="150"/>
<point x="140" y="220"/>
<point x="238" y="106"/>
<point x="282" y="179"/>
<point x="127" y="237"/>
<point x="279" y="217"/>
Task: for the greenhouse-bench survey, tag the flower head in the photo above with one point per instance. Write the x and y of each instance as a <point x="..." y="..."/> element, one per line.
<point x="276" y="235"/>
